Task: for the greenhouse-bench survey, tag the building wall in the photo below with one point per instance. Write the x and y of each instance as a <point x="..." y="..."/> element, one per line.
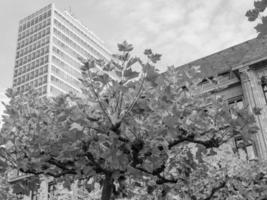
<point x="71" y="42"/>
<point x="31" y="63"/>
<point x="254" y="98"/>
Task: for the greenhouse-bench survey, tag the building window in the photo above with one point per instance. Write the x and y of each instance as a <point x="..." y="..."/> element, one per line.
<point x="20" y="196"/>
<point x="34" y="195"/>
<point x="245" y="150"/>
<point x="264" y="86"/>
<point x="236" y="102"/>
<point x="51" y="190"/>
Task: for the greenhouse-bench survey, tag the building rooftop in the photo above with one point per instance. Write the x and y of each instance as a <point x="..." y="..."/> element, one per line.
<point x="245" y="53"/>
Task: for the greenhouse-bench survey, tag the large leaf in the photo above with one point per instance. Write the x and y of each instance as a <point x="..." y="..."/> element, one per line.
<point x="125" y="46"/>
<point x="130" y="74"/>
<point x="252" y="15"/>
<point x="260" y="5"/>
<point x="261" y="28"/>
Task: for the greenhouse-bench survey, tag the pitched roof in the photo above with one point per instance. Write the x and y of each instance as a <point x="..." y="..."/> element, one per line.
<point x="226" y="59"/>
<point x="257" y="51"/>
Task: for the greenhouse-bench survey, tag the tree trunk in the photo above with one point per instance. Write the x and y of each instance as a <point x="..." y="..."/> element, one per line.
<point x="107" y="187"/>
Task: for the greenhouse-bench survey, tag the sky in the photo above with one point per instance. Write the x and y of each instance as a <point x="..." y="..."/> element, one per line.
<point x="180" y="30"/>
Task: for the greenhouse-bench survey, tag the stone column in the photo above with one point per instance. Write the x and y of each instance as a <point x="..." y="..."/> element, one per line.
<point x="43" y="191"/>
<point x="254" y="97"/>
<point x="74" y="189"/>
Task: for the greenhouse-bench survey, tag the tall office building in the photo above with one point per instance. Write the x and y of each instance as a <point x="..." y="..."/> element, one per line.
<point x="49" y="47"/>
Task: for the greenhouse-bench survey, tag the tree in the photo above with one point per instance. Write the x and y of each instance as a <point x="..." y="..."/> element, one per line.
<point x="256" y="14"/>
<point x="137" y="133"/>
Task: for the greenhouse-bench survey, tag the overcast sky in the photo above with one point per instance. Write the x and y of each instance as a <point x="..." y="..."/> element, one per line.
<point x="181" y="30"/>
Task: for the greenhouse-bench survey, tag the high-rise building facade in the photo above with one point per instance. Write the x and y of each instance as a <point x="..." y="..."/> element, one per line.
<point x="50" y="46"/>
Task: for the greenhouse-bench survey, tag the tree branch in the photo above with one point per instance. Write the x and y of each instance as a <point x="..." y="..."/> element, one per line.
<point x="61" y="165"/>
<point x="9" y="159"/>
<point x="161" y="180"/>
<point x="216" y="189"/>
<point x="97" y="166"/>
<point x="120" y="100"/>
<point x="101" y="104"/>
<point x="135" y="99"/>
<point x="211" y="143"/>
<point x="37" y="173"/>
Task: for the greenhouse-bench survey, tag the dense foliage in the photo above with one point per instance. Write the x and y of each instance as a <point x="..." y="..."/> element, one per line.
<point x="136" y="133"/>
<point x="5" y="187"/>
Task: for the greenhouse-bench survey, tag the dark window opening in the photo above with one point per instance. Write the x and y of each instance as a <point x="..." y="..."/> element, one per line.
<point x="264" y="86"/>
<point x="236" y="102"/>
<point x="245" y="150"/>
<point x="51" y="190"/>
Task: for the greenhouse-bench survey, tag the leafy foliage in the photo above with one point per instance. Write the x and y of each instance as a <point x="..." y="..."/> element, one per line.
<point x="139" y="134"/>
<point x="255" y="13"/>
<point x="5" y="189"/>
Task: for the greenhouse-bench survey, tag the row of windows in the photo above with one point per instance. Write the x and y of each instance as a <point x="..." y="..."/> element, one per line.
<point x="31" y="75"/>
<point x="72" y="44"/>
<point x="31" y="66"/>
<point x="66" y="48"/>
<point x="63" y="85"/>
<point x="65" y="67"/>
<point x="28" y="50"/>
<point x="40" y="90"/>
<point x="36" y="14"/>
<point x="78" y="39"/>
<point x="66" y="58"/>
<point x="221" y="79"/>
<point x="34" y="21"/>
<point x="81" y="32"/>
<point x="40" y="82"/>
<point x="55" y="92"/>
<point x="34" y="29"/>
<point x="33" y="38"/>
<point x="33" y="56"/>
<point x="65" y="77"/>
<point x="33" y="84"/>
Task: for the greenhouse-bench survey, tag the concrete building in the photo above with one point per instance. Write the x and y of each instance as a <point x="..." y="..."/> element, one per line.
<point x="241" y="73"/>
<point x="49" y="47"/>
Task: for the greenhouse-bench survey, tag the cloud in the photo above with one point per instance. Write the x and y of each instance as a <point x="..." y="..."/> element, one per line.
<point x="181" y="30"/>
